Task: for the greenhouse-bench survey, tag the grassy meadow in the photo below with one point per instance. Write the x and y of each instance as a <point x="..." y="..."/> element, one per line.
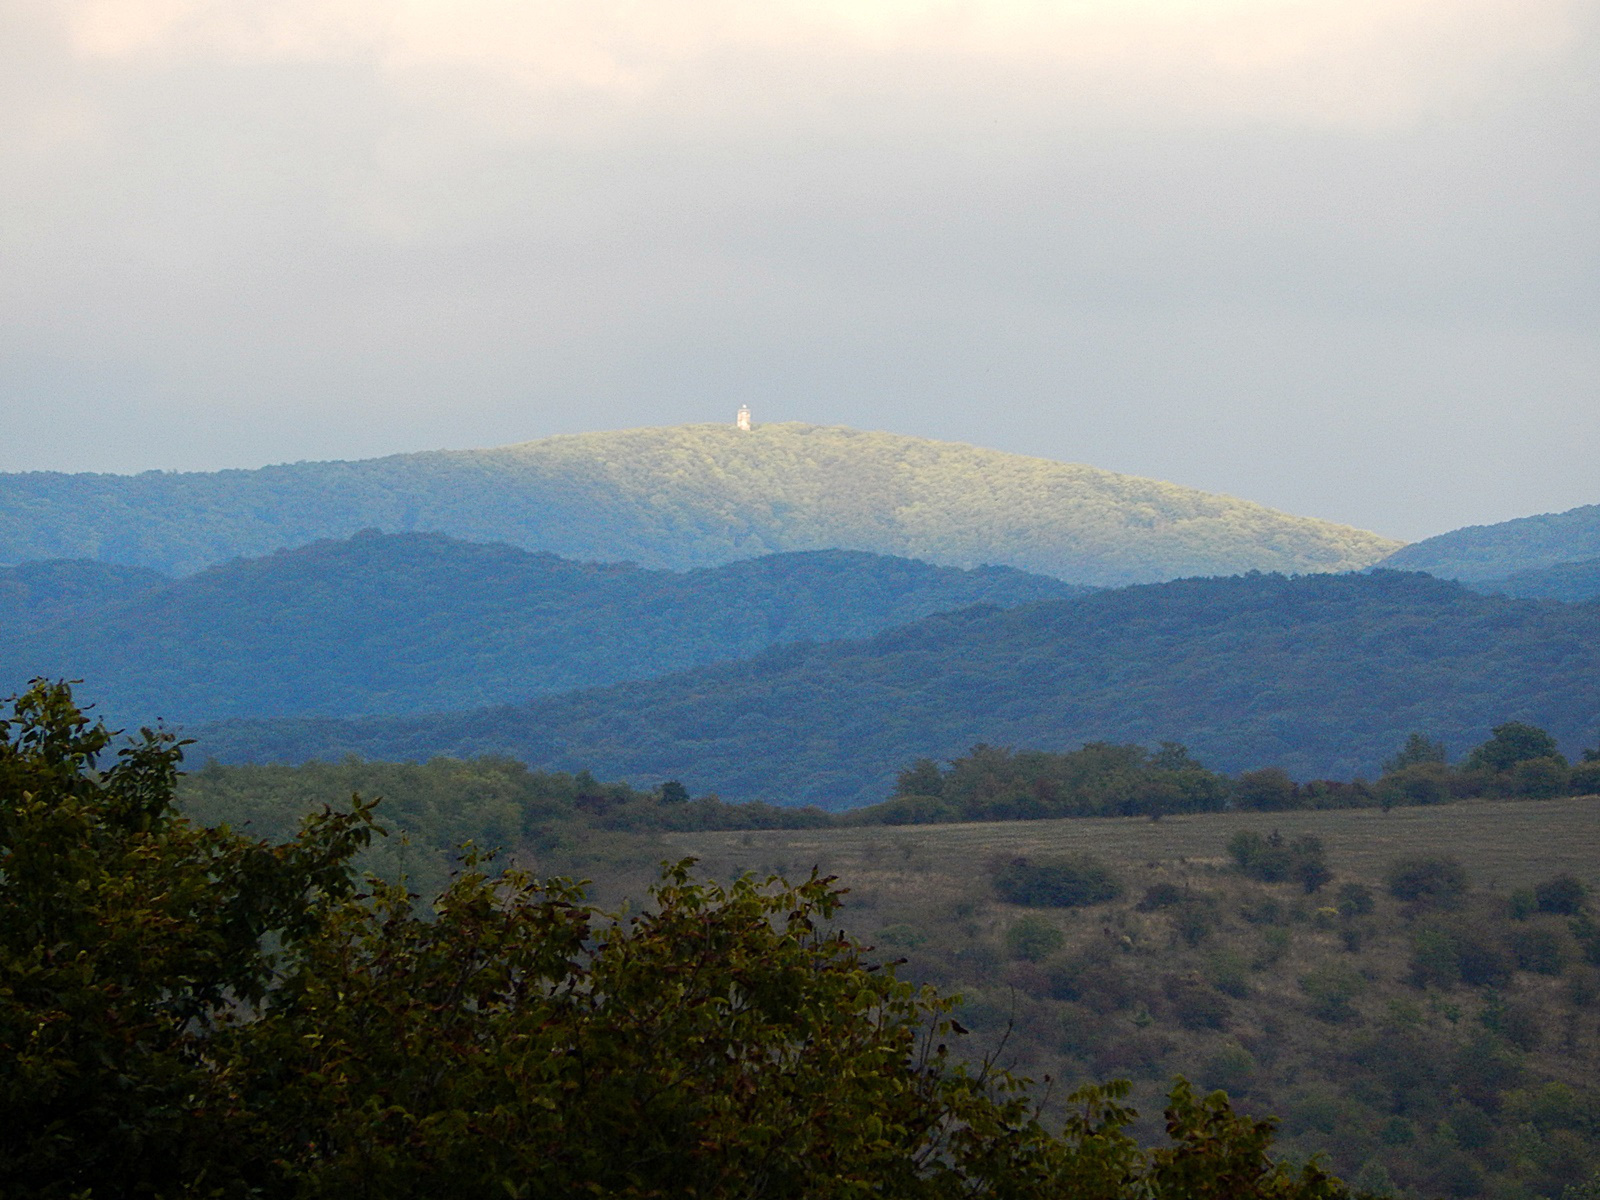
<point x="1504" y="844"/>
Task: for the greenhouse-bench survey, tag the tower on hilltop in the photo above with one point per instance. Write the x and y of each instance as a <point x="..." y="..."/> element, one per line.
<point x="743" y="419"/>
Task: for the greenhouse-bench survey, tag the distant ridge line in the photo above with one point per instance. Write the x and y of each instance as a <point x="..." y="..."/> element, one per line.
<point x="689" y="496"/>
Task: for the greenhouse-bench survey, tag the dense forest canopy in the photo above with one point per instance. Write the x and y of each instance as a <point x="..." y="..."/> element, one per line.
<point x="1321" y="675"/>
<point x="688" y="496"/>
<point x="1492" y="552"/>
<point x="1571" y="581"/>
<point x="404" y="623"/>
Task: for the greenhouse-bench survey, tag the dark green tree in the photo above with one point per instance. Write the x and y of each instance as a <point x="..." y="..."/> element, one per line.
<point x="129" y="938"/>
<point x="1419" y="749"/>
<point x="1512" y="743"/>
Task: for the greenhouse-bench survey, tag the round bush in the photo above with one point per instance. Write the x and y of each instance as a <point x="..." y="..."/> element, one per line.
<point x="1056" y="883"/>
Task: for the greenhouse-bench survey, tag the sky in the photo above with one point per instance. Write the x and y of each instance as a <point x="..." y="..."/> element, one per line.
<point x="1338" y="256"/>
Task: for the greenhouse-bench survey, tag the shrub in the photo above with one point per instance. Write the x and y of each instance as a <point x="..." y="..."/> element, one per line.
<point x="1540" y="949"/>
<point x="1266" y="790"/>
<point x="1420" y="783"/>
<point x="1521" y="904"/>
<point x="1355" y="900"/>
<point x="1330" y="989"/>
<point x="1196" y="1006"/>
<point x="1228" y="972"/>
<point x="1434" y="962"/>
<point x="902" y="937"/>
<point x="1563" y="894"/>
<point x="1193" y="922"/>
<point x="1443" y="958"/>
<point x="1231" y="1069"/>
<point x="1033" y="939"/>
<point x="1056" y="883"/>
<point x="1439" y="880"/>
<point x="1540" y="778"/>
<point x="1517" y="1023"/>
<point x="1094" y="980"/>
<point x="1481" y="963"/>
<point x="1584" y="778"/>
<point x="1160" y="895"/>
<point x="1272" y="860"/>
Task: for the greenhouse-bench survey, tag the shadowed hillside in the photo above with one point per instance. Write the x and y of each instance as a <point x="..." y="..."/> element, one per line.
<point x="394" y="623"/>
<point x="689" y="496"/>
<point x="1493" y="552"/>
<point x="1570" y="581"/>
<point x="36" y="595"/>
<point x="1322" y="675"/>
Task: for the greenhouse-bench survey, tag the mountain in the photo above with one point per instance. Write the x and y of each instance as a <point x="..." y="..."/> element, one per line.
<point x="685" y="497"/>
<point x="36" y="595"/>
<point x="1322" y="675"/>
<point x="1493" y="552"/>
<point x="401" y="623"/>
<point x="1564" y="581"/>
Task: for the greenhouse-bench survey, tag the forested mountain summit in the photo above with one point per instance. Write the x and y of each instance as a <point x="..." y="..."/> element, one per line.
<point x="1323" y="675"/>
<point x="689" y="496"/>
<point x="404" y="623"/>
<point x="1492" y="553"/>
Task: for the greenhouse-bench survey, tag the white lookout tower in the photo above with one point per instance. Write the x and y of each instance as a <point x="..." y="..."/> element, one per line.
<point x="743" y="419"/>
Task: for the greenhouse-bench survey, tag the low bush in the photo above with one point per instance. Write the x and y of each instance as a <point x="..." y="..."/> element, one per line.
<point x="1032" y="939"/>
<point x="1438" y="880"/>
<point x="1056" y="883"/>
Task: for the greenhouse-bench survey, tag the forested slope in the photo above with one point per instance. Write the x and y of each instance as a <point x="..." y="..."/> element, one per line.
<point x="1322" y="675"/>
<point x="36" y="595"/>
<point x="688" y="496"/>
<point x="1492" y="552"/>
<point x="399" y="623"/>
<point x="1564" y="581"/>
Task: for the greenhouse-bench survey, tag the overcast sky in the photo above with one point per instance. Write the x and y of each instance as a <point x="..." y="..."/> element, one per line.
<point x="1338" y="256"/>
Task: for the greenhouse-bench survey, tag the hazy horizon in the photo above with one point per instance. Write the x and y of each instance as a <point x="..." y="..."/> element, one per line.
<point x="1336" y="258"/>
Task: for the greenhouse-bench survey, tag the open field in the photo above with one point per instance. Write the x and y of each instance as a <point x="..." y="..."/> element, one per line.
<point x="1503" y="843"/>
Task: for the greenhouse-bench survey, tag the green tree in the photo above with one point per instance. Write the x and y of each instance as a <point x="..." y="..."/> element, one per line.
<point x="129" y="938"/>
<point x="1512" y="743"/>
<point x="1419" y="749"/>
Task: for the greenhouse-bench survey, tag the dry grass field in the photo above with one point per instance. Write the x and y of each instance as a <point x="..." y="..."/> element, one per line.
<point x="1295" y="1004"/>
<point x="1504" y="844"/>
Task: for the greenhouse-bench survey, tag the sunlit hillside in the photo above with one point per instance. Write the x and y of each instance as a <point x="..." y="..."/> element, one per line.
<point x="689" y="496"/>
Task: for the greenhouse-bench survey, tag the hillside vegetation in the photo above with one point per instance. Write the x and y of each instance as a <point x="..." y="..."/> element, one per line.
<point x="1321" y="675"/>
<point x="36" y="595"/>
<point x="1413" y="991"/>
<point x="1492" y="552"/>
<point x="1565" y="581"/>
<point x="190" y="1011"/>
<point x="1427" y="1014"/>
<point x="403" y="623"/>
<point x="688" y="496"/>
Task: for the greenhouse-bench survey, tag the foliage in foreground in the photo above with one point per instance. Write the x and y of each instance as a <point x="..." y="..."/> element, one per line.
<point x="187" y="1011"/>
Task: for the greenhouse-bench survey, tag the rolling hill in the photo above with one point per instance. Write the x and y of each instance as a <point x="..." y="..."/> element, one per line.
<point x="1563" y="581"/>
<point x="685" y="497"/>
<point x="36" y="595"/>
<point x="1493" y="552"/>
<point x="401" y="623"/>
<point x="1324" y="675"/>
